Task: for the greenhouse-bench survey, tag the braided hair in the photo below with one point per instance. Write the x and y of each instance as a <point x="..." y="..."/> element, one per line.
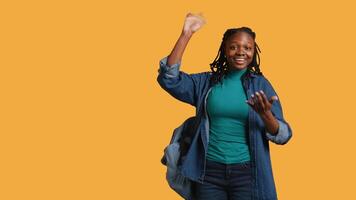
<point x="219" y="65"/>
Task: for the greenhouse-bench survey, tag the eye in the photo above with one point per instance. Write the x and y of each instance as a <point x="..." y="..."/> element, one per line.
<point x="232" y="47"/>
<point x="248" y="48"/>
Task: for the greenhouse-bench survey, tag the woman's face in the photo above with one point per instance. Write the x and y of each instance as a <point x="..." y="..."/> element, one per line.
<point x="239" y="50"/>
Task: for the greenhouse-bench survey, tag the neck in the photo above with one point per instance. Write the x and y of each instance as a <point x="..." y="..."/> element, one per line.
<point x="234" y="70"/>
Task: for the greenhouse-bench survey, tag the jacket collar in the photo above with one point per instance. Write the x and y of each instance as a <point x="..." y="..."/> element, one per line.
<point x="251" y="74"/>
<point x="245" y="76"/>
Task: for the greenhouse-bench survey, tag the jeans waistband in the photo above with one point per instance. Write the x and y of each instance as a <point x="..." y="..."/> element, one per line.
<point x="218" y="165"/>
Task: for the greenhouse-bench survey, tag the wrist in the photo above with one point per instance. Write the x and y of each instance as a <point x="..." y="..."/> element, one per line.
<point x="267" y="115"/>
<point x="271" y="123"/>
<point x="186" y="34"/>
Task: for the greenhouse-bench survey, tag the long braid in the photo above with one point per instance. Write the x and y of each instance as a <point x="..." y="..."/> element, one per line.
<point x="219" y="65"/>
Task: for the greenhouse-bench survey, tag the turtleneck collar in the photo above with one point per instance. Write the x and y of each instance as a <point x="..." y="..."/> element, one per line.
<point x="236" y="73"/>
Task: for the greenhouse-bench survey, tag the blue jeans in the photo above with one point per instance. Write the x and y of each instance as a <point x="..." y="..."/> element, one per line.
<point x="225" y="182"/>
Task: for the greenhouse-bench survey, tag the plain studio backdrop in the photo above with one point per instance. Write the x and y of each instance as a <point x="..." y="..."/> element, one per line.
<point x="83" y="117"/>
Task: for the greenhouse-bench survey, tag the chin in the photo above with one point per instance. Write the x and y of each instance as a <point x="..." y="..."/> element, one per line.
<point x="239" y="67"/>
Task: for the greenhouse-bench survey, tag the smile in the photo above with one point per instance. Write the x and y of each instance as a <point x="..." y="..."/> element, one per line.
<point x="239" y="60"/>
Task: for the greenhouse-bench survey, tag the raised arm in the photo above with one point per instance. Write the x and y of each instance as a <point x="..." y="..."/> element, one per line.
<point x="179" y="84"/>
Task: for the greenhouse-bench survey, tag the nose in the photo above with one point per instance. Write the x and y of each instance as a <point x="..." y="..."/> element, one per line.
<point x="240" y="51"/>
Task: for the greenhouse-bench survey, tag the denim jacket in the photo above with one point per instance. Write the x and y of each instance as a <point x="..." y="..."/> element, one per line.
<point x="194" y="89"/>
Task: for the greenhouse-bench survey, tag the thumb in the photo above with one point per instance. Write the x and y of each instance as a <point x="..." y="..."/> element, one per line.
<point x="273" y="98"/>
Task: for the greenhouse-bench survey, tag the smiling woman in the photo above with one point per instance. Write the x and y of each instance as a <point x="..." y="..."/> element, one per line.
<point x="239" y="112"/>
<point x="239" y="50"/>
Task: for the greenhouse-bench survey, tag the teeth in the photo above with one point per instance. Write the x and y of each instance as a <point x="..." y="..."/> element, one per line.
<point x="239" y="59"/>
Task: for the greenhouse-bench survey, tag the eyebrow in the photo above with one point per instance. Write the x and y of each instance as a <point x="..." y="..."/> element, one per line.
<point x="236" y="43"/>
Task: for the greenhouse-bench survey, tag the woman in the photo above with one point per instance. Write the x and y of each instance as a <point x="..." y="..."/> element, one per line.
<point x="239" y="113"/>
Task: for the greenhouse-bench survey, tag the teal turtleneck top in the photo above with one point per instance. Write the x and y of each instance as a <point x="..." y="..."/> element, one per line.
<point x="228" y="117"/>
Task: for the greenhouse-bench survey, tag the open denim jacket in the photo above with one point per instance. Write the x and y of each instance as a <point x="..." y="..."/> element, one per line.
<point x="194" y="89"/>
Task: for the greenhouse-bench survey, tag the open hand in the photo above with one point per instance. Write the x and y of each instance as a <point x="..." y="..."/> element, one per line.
<point x="260" y="103"/>
<point x="193" y="22"/>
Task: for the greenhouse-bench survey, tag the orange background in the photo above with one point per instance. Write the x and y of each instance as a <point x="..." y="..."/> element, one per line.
<point x="82" y="116"/>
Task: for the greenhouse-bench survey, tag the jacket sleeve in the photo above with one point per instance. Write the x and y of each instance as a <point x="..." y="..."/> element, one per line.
<point x="284" y="133"/>
<point x="179" y="84"/>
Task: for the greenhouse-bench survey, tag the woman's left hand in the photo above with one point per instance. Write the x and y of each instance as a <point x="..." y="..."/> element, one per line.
<point x="263" y="106"/>
<point x="260" y="103"/>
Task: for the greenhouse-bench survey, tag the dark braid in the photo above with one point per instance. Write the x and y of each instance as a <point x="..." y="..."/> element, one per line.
<point x="219" y="65"/>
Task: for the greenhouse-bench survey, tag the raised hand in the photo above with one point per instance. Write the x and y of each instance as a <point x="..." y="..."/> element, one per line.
<point x="193" y="22"/>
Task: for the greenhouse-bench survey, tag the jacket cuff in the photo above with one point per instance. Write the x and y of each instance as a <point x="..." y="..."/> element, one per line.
<point x="168" y="71"/>
<point x="282" y="135"/>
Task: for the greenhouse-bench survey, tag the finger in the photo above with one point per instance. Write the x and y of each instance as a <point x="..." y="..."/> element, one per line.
<point x="202" y="16"/>
<point x="255" y="101"/>
<point x="260" y="101"/>
<point x="273" y="98"/>
<point x="261" y="105"/>
<point x="249" y="102"/>
<point x="264" y="97"/>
